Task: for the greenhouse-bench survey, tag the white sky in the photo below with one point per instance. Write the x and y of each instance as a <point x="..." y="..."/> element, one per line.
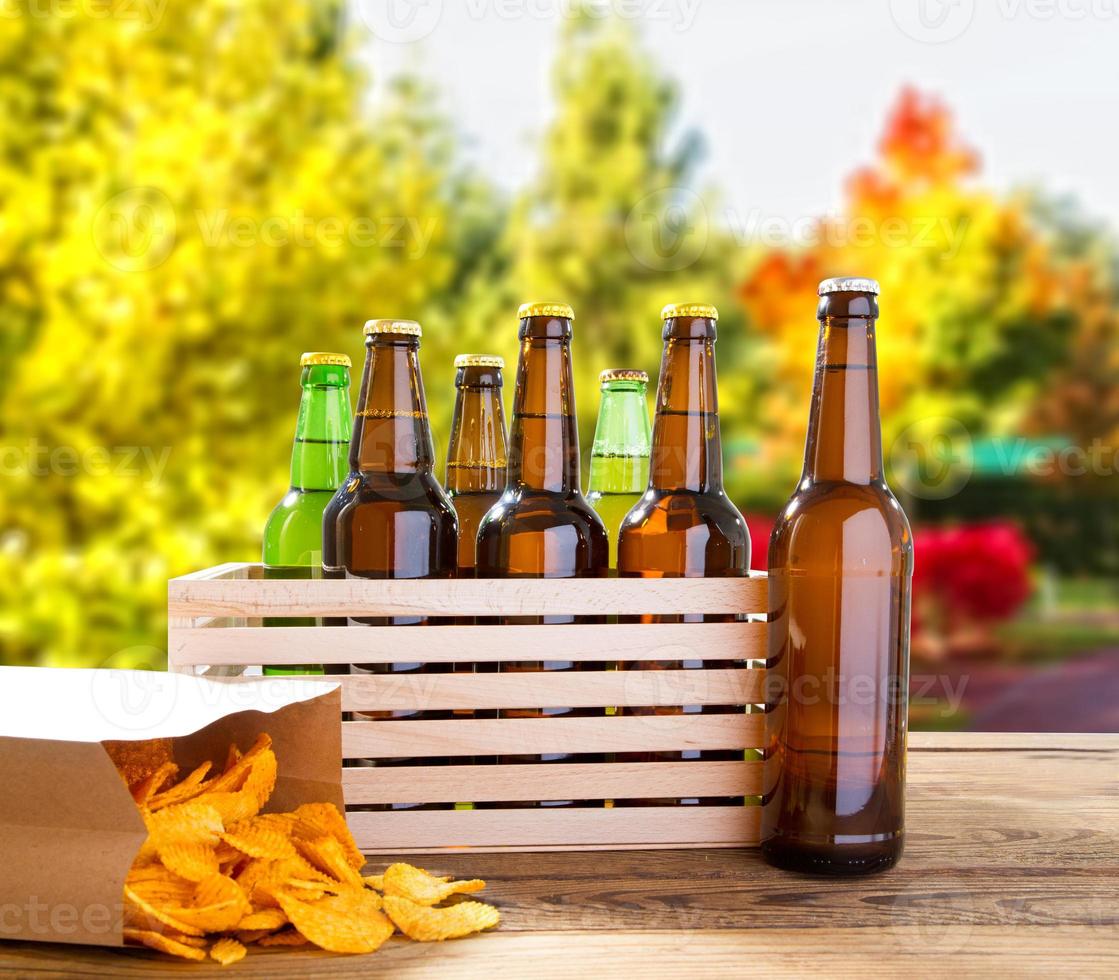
<point x="790" y="95"/>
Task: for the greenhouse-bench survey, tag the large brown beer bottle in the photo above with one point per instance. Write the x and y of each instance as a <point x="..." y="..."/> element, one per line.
<point x="542" y="527"/>
<point x="476" y="457"/>
<point x="685" y="526"/>
<point x="840" y="567"/>
<point x="391" y="519"/>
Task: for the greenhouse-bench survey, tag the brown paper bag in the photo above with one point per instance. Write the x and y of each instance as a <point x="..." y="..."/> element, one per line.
<point x="69" y="829"/>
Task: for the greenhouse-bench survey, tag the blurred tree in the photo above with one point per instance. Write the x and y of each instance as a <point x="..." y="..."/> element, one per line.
<point x="977" y="308"/>
<point x="186" y="203"/>
<point x="612" y="222"/>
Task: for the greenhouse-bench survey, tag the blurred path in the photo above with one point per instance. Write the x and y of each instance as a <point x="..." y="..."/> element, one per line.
<point x="1078" y="695"/>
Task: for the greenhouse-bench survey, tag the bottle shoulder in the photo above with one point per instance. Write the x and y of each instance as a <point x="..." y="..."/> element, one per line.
<point x="521" y="509"/>
<point x="860" y="521"/>
<point x="674" y="511"/>
<point x="391" y="493"/>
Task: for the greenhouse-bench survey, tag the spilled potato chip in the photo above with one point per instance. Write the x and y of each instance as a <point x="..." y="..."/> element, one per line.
<point x="427" y="925"/>
<point x="216" y="875"/>
<point x="227" y="951"/>
<point x="422" y="888"/>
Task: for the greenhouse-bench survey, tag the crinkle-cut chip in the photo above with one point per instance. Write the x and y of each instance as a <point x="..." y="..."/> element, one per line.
<point x="154" y="872"/>
<point x="195" y="862"/>
<point x="196" y="941"/>
<point x="234" y="775"/>
<point x="427" y="925"/>
<point x="289" y="937"/>
<point x="147" y="787"/>
<point x="328" y="855"/>
<point x="182" y="791"/>
<point x="157" y="940"/>
<point x="232" y="807"/>
<point x="415" y="884"/>
<point x="329" y="820"/>
<point x="376" y="882"/>
<point x="259" y="838"/>
<point x="232" y="757"/>
<point x="136" y="760"/>
<point x="260" y="875"/>
<point x="345" y="923"/>
<point x="218" y="905"/>
<point x="250" y="936"/>
<point x="173" y="891"/>
<point x="227" y="951"/>
<point x="184" y="822"/>
<point x="141" y="912"/>
<point x="267" y="919"/>
<point x="246" y="801"/>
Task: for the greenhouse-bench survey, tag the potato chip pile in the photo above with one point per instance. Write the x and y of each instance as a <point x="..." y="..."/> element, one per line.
<point x="216" y="875"/>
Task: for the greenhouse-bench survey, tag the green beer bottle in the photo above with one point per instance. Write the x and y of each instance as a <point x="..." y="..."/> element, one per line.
<point x="319" y="462"/>
<point x="620" y="455"/>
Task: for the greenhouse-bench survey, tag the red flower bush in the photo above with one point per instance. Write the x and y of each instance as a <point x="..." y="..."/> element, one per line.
<point x="980" y="572"/>
<point x="760" y="527"/>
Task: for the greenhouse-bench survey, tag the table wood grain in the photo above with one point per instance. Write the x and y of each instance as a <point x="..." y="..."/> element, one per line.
<point x="1011" y="868"/>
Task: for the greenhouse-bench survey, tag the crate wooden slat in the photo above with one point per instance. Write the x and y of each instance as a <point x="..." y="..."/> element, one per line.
<point x="464" y="597"/>
<point x="532" y="736"/>
<point x="545" y="829"/>
<point x="485" y="784"/>
<point x="215" y="627"/>
<point x="217" y="643"/>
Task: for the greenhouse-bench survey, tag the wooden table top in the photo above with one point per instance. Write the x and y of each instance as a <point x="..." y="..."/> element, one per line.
<point x="1011" y="868"/>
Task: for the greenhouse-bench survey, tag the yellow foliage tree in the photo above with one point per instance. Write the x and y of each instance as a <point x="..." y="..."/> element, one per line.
<point x="185" y="205"/>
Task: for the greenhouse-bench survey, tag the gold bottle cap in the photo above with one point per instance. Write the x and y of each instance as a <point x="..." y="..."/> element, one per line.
<point x="623" y="374"/>
<point x="704" y="310"/>
<point x="479" y="360"/>
<point x="313" y="357"/>
<point x="560" y="310"/>
<point x="407" y="327"/>
<point x="849" y="284"/>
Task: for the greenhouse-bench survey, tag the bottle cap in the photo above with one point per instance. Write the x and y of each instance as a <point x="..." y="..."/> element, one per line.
<point x="479" y="360"/>
<point x="407" y="327"/>
<point x="623" y="374"/>
<point x="313" y="357"/>
<point x="849" y="284"/>
<point x="560" y="310"/>
<point x="703" y="310"/>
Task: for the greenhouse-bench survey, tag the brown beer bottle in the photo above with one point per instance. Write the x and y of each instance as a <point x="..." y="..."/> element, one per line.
<point x="840" y="568"/>
<point x="391" y="519"/>
<point x="542" y="527"/>
<point x="476" y="458"/>
<point x="685" y="526"/>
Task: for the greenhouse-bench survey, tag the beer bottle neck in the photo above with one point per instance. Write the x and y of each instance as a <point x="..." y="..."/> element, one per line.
<point x="620" y="455"/>
<point x="391" y="429"/>
<point x="844" y="433"/>
<point x="544" y="439"/>
<point x="476" y="459"/>
<point x="687" y="446"/>
<point x="318" y="458"/>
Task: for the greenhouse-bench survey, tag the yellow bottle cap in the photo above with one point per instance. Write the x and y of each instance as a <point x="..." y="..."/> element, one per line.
<point x="479" y="360"/>
<point x="560" y="310"/>
<point x="407" y="327"/>
<point x="623" y="374"/>
<point x="313" y="357"/>
<point x="703" y="310"/>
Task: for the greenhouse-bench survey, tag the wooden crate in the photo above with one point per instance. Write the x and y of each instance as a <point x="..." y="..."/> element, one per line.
<point x="214" y="628"/>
